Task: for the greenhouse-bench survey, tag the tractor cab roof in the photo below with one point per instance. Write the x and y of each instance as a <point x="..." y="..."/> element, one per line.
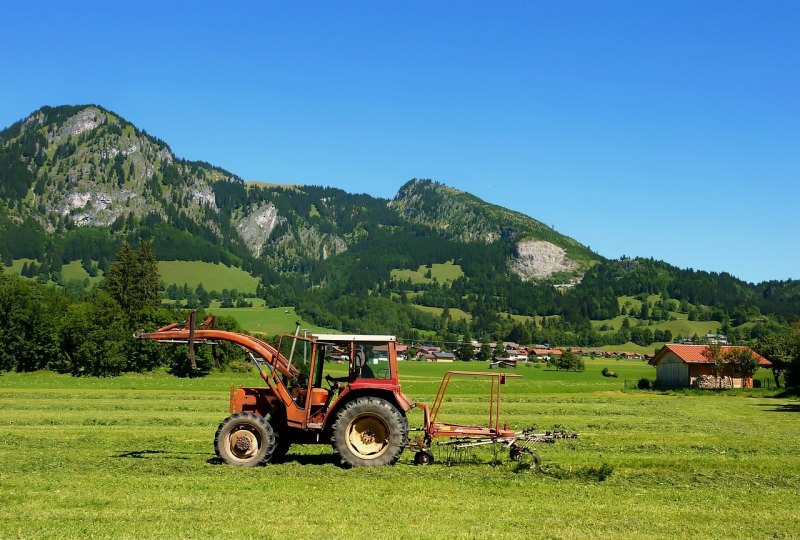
<point x="348" y="338"/>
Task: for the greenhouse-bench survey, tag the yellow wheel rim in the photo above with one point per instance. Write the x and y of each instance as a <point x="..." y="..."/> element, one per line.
<point x="367" y="436"/>
<point x="243" y="443"/>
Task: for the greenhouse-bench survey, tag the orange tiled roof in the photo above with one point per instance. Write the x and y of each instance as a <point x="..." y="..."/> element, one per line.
<point x="693" y="354"/>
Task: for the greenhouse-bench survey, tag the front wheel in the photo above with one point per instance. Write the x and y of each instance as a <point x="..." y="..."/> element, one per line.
<point x="369" y="432"/>
<point x="245" y="440"/>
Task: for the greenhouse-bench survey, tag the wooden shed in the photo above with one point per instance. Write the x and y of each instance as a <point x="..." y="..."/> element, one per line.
<point x="679" y="366"/>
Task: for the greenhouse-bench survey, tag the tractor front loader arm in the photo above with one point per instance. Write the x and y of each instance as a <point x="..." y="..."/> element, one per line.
<point x="186" y="332"/>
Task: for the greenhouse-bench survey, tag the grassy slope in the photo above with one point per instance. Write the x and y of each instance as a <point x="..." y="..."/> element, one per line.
<point x="266" y="320"/>
<point x="131" y="457"/>
<point x="74" y="271"/>
<point x="212" y="276"/>
<point x="682" y="326"/>
<point x="16" y="265"/>
<point x="443" y="273"/>
<point x="455" y="313"/>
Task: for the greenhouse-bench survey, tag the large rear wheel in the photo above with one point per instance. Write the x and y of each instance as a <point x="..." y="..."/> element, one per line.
<point x="245" y="440"/>
<point x="369" y="432"/>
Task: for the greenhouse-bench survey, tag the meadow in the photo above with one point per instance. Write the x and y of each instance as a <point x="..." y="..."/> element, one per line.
<point x="213" y="276"/>
<point x="269" y="321"/>
<point x="132" y="457"/>
<point x="441" y="272"/>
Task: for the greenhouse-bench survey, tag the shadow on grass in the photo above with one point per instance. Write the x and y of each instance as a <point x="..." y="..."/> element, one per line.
<point x="301" y="459"/>
<point x="311" y="459"/>
<point x="156" y="454"/>
<point x="784" y="407"/>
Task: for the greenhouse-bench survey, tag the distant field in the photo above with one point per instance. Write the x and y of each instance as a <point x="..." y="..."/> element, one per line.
<point x="455" y="313"/>
<point x="213" y="276"/>
<point x="683" y="326"/>
<point x="17" y="264"/>
<point x="631" y="347"/>
<point x="132" y="457"/>
<point x="75" y="271"/>
<point x="70" y="271"/>
<point x="443" y="273"/>
<point x="257" y="303"/>
<point x="519" y="318"/>
<point x="267" y="321"/>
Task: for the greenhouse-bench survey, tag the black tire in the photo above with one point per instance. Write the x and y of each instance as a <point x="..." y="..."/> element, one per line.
<point x="423" y="457"/>
<point x="369" y="432"/>
<point x="245" y="440"/>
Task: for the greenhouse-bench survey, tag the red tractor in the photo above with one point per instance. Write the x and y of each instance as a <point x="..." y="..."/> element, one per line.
<point x="362" y="415"/>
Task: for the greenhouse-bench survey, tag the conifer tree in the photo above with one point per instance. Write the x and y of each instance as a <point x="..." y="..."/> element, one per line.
<point x="120" y="276"/>
<point x="148" y="280"/>
<point x="133" y="279"/>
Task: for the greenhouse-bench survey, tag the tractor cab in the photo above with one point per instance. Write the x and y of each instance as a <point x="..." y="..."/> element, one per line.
<point x="334" y="368"/>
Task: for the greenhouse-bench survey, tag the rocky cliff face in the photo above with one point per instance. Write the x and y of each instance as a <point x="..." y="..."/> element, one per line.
<point x="535" y="259"/>
<point x="257" y="225"/>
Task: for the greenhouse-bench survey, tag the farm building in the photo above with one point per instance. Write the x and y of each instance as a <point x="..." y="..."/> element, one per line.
<point x="546" y="354"/>
<point x="681" y="365"/>
<point x="444" y="357"/>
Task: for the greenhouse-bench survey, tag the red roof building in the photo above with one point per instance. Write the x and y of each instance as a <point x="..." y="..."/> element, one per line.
<point x="684" y="365"/>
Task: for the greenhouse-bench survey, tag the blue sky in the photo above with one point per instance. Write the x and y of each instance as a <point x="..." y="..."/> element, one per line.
<point x="663" y="129"/>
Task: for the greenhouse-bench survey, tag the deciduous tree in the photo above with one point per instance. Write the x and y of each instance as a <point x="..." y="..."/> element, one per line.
<point x="713" y="353"/>
<point x="744" y="359"/>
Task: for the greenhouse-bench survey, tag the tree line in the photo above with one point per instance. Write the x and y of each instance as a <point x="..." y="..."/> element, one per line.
<point x="48" y="327"/>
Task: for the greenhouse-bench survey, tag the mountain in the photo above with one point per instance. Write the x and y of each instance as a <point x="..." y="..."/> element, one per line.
<point x="78" y="181"/>
<point x="539" y="251"/>
<point x="84" y="166"/>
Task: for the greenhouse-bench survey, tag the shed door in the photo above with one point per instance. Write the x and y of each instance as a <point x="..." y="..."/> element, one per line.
<point x="672" y="372"/>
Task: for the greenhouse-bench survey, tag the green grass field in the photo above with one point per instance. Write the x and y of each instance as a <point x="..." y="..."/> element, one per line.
<point x="74" y="271"/>
<point x="17" y="264"/>
<point x="212" y="276"/>
<point x="682" y="326"/>
<point x="443" y="273"/>
<point x="131" y="457"/>
<point x="455" y="313"/>
<point x="269" y="321"/>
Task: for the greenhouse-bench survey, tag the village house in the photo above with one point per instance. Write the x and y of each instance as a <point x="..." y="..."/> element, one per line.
<point x="717" y="339"/>
<point x="679" y="366"/>
<point x="401" y="350"/>
<point x="444" y="357"/>
<point x="546" y="354"/>
<point x="520" y="354"/>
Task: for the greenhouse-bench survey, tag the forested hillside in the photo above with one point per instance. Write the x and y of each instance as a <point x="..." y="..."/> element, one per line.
<point x="435" y="263"/>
